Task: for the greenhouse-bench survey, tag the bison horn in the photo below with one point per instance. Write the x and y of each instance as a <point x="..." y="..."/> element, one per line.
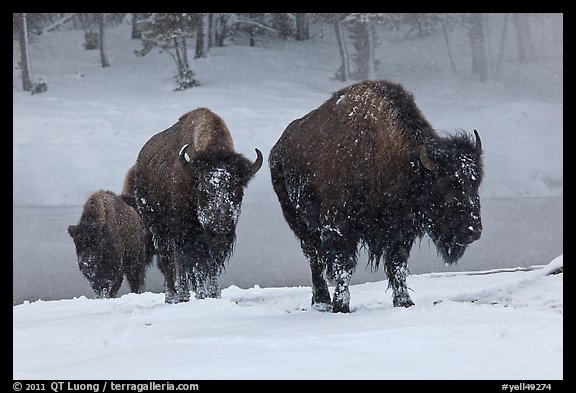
<point x="478" y="141"/>
<point x="426" y="160"/>
<point x="184" y="157"/>
<point x="255" y="166"/>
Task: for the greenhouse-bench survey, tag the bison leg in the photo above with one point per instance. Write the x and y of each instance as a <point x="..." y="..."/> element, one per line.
<point x="206" y="283"/>
<point x="135" y="277"/>
<point x="199" y="279"/>
<point x="397" y="271"/>
<point x="176" y="281"/>
<point x="320" y="293"/>
<point x="166" y="267"/>
<point x="301" y="213"/>
<point x="134" y="267"/>
<point x="204" y="276"/>
<point x="115" y="285"/>
<point x="343" y="274"/>
<point x="212" y="284"/>
<point x="213" y="287"/>
<point x="181" y="276"/>
<point x="338" y="249"/>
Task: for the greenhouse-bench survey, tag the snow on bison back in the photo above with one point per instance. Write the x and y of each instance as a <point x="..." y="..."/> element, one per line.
<point x="366" y="168"/>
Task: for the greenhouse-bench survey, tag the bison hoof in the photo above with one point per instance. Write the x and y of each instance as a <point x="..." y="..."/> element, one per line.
<point x="402" y="301"/>
<point x="339" y="307"/>
<point x="321" y="297"/>
<point x="322" y="307"/>
<point x="172" y="298"/>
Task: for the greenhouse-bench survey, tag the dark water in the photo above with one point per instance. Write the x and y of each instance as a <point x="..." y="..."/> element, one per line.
<point x="517" y="232"/>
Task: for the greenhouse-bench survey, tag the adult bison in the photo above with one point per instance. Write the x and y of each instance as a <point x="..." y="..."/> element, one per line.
<point x="188" y="184"/>
<point x="367" y="168"/>
<point x="110" y="242"/>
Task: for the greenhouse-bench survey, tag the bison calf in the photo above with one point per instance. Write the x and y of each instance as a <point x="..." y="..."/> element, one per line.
<point x="366" y="168"/>
<point x="110" y="242"/>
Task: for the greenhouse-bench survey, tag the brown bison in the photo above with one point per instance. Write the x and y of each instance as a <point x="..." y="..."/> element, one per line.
<point x="366" y="168"/>
<point x="110" y="242"/>
<point x="188" y="184"/>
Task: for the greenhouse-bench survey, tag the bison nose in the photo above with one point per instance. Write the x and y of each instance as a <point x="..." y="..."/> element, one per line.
<point x="471" y="233"/>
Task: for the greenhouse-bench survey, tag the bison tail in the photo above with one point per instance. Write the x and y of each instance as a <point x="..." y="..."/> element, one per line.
<point x="375" y="252"/>
<point x="279" y="183"/>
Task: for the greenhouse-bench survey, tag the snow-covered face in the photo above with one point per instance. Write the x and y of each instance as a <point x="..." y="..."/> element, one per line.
<point x="220" y="196"/>
<point x="88" y="241"/>
<point x="453" y="212"/>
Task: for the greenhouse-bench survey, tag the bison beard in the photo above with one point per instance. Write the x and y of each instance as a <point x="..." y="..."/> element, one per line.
<point x="366" y="168"/>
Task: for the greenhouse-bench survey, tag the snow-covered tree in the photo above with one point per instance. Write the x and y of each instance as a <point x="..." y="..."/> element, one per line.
<point x="478" y="45"/>
<point x="523" y="37"/>
<point x="284" y="23"/>
<point x="21" y="23"/>
<point x="302" y="26"/>
<point x="202" y="36"/>
<point x="360" y="62"/>
<point x="169" y="31"/>
<point x="103" y="59"/>
<point x="135" y="33"/>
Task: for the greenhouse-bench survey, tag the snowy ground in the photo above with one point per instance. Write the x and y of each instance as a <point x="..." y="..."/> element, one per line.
<point x="488" y="325"/>
<point x="86" y="130"/>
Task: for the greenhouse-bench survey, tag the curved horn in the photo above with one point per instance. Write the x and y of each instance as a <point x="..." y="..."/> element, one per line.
<point x="255" y="166"/>
<point x="478" y="141"/>
<point x="426" y="160"/>
<point x="184" y="157"/>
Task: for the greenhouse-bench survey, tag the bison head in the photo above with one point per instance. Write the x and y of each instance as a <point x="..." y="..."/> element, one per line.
<point x="218" y="179"/>
<point x="87" y="238"/>
<point x="453" y="170"/>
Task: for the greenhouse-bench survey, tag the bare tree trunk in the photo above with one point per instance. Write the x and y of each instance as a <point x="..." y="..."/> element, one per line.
<point x="201" y="37"/>
<point x="210" y="30"/>
<point x="221" y="29"/>
<point x="371" y="58"/>
<point x="523" y="37"/>
<point x="103" y="59"/>
<point x="445" y="31"/>
<point x="500" y="60"/>
<point x="362" y="43"/>
<point x="136" y="34"/>
<point x="184" y="51"/>
<point x="478" y="44"/>
<point x="24" y="54"/>
<point x="345" y="66"/>
<point x="251" y="33"/>
<point x="302" y="27"/>
<point x="179" y="61"/>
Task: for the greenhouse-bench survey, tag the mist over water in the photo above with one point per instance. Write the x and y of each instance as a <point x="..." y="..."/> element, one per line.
<point x="517" y="233"/>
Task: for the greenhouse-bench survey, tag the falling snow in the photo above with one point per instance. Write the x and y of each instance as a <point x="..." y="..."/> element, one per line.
<point x="482" y="319"/>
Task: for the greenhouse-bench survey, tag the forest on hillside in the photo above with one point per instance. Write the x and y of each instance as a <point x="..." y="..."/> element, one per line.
<point x="491" y="40"/>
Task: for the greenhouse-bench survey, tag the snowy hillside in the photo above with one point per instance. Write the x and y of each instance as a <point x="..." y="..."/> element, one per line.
<point x="93" y="121"/>
<point x="485" y="325"/>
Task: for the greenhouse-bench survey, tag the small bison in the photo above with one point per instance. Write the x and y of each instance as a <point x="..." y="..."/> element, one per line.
<point x="188" y="184"/>
<point x="366" y="168"/>
<point x="110" y="242"/>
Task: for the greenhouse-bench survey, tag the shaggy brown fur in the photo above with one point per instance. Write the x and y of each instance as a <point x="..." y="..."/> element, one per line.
<point x="110" y="242"/>
<point x="367" y="168"/>
<point x="188" y="185"/>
